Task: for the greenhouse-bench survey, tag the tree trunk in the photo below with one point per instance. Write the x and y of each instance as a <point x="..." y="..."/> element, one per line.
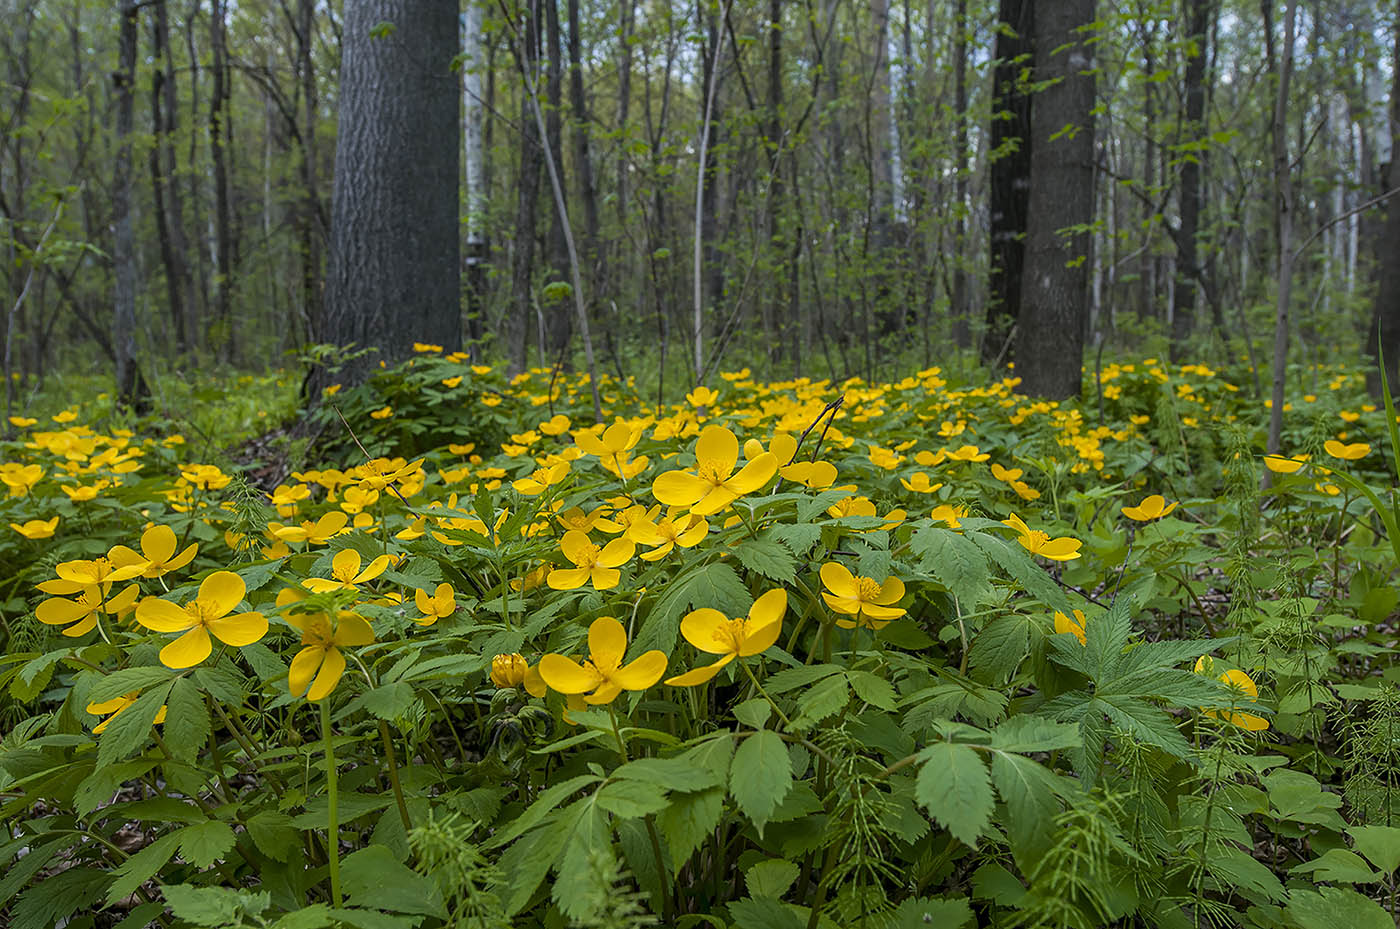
<point x="169" y="211"/>
<point x="559" y="328"/>
<point x="394" y="257"/>
<point x="222" y="328"/>
<point x="522" y="265"/>
<point x="1281" y="71"/>
<point x="1054" y="300"/>
<point x="132" y="391"/>
<point x="1189" y="178"/>
<point x="1010" y="149"/>
<point x="478" y="249"/>
<point x="1383" y="336"/>
<point x="310" y="220"/>
<point x="962" y="330"/>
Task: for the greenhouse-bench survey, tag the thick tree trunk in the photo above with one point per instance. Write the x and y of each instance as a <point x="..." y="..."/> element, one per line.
<point x="558" y="314"/>
<point x="394" y="256"/>
<point x="1383" y="337"/>
<point x="222" y="329"/>
<point x="132" y="391"/>
<point x="522" y="265"/>
<point x="169" y="210"/>
<point x="310" y="217"/>
<point x="1280" y="62"/>
<point x="1055" y="295"/>
<point x="478" y="249"/>
<point x="1189" y="178"/>
<point x="1010" y="150"/>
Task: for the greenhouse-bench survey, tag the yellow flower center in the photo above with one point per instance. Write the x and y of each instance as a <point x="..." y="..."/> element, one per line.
<point x="318" y="633"/>
<point x="731" y="635"/>
<point x="712" y="472"/>
<point x="587" y="556"/>
<point x="867" y="589"/>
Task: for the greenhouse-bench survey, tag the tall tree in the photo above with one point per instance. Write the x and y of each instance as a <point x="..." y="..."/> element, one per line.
<point x="478" y="248"/>
<point x="394" y="250"/>
<point x="132" y="391"/>
<point x="526" y="47"/>
<point x="1055" y="293"/>
<point x="169" y="208"/>
<point x="1188" y="194"/>
<point x="1383" y="335"/>
<point x="1010" y="172"/>
<point x="223" y="328"/>
<point x="1280" y="67"/>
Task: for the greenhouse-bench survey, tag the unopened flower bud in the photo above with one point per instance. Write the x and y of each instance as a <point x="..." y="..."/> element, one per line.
<point x="508" y="670"/>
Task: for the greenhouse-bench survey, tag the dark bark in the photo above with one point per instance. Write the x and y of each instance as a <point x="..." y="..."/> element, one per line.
<point x="310" y="219"/>
<point x="1010" y="172"/>
<point x="222" y="328"/>
<point x="169" y="209"/>
<point x="393" y="277"/>
<point x="1383" y="336"/>
<point x="583" y="156"/>
<point x="132" y="391"/>
<point x="1189" y="178"/>
<point x="962" y="330"/>
<point x="558" y="314"/>
<point x="1055" y="293"/>
<point x="522" y="265"/>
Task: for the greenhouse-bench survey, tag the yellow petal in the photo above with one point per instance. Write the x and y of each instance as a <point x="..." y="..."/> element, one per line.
<point x="839" y="580"/>
<point x="692" y="534"/>
<point x="761" y="637"/>
<point x="617" y="552"/>
<point x="719" y="446"/>
<point x="345" y="565"/>
<point x="161" y="616"/>
<point x="754" y="475"/>
<point x="372" y="570"/>
<point x="567" y="578"/>
<point x="699" y="675"/>
<point x="576" y="547"/>
<point x="606" y="693"/>
<point x="352" y="629"/>
<point x="848" y="605"/>
<point x="331" y="669"/>
<point x="423" y="602"/>
<point x="188" y="650"/>
<point x="568" y="676"/>
<point x="182" y="559"/>
<point x="303" y="669"/>
<point x="607" y="643"/>
<point x="875" y="611"/>
<point x="769" y="608"/>
<point x="700" y="627"/>
<point x="58" y="611"/>
<point x="605" y="578"/>
<point x="678" y="488"/>
<point x="241" y="629"/>
<point x="642" y="673"/>
<point x="122" y="602"/>
<point x="533" y="683"/>
<point x="221" y="592"/>
<point x="1061" y="549"/>
<point x="158" y="543"/>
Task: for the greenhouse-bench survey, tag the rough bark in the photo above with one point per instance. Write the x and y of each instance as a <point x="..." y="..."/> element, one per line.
<point x="1009" y="174"/>
<point x="522" y="265"/>
<point x="222" y="329"/>
<point x="1189" y="178"/>
<point x="393" y="278"/>
<point x="132" y="391"/>
<point x="477" y="250"/>
<point x="169" y="209"/>
<point x="1055" y="294"/>
<point x="1280" y="64"/>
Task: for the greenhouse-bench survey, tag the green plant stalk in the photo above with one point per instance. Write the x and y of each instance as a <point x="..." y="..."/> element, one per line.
<point x="763" y="693"/>
<point x="394" y="775"/>
<point x="332" y="810"/>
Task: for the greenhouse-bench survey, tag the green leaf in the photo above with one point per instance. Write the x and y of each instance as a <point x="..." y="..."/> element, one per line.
<point x="388" y="702"/>
<point x="688" y="820"/>
<point x="53" y="900"/>
<point x="1380" y="845"/>
<point x="1334" y="907"/>
<point x="761" y="775"/>
<point x="373" y="877"/>
<point x="798" y="537"/>
<point x="1025" y="733"/>
<point x="753" y="713"/>
<point x="873" y="689"/>
<point x="954" y="787"/>
<point x="1017" y="562"/>
<point x="764" y="913"/>
<point x="205" y="843"/>
<point x="925" y="912"/>
<point x="1106" y="636"/>
<point x="214" y="906"/>
<point x="1338" y="865"/>
<point x="141" y="867"/>
<point x="669" y="773"/>
<point x="18" y="873"/>
<point x="713" y="585"/>
<point x="998" y="650"/>
<point x="274" y="835"/>
<point x="826" y="698"/>
<point x="1028" y="789"/>
<point x="542" y="807"/>
<point x="186" y="720"/>
<point x="793" y="678"/>
<point x="588" y="854"/>
<point x="127" y="680"/>
<point x="524" y="865"/>
<point x="630" y="799"/>
<point x="767" y="557"/>
<point x="956" y="561"/>
<point x="770" y="878"/>
<point x="130" y="729"/>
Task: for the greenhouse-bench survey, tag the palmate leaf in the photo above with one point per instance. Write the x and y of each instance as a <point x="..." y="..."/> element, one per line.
<point x="957" y="562"/>
<point x="1017" y="562"/>
<point x="1106" y="637"/>
<point x="713" y="585"/>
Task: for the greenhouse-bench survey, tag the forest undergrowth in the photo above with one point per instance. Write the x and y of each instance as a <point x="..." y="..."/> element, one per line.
<point x="788" y="654"/>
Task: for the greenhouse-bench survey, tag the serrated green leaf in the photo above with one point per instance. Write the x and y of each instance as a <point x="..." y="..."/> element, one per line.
<point x="186" y="720"/>
<point x="274" y="835"/>
<point x="764" y="913"/>
<point x="1333" y="907"/>
<point x="669" y="773"/>
<point x="753" y="713"/>
<point x="770" y="878"/>
<point x="630" y="799"/>
<point x="793" y="678"/>
<point x="761" y="775"/>
<point x="588" y="851"/>
<point x="373" y="877"/>
<point x="127" y="680"/>
<point x="767" y="557"/>
<point x="714" y="585"/>
<point x="953" y="785"/>
<point x="1026" y="733"/>
<point x="205" y="843"/>
<point x="822" y="700"/>
<point x="1017" y="562"/>
<point x="873" y="689"/>
<point x="924" y="912"/>
<point x="1028" y="789"/>
<point x="141" y="867"/>
<point x="1338" y="865"/>
<point x="688" y="820"/>
<point x="129" y="730"/>
<point x="998" y="650"/>
<point x="956" y="561"/>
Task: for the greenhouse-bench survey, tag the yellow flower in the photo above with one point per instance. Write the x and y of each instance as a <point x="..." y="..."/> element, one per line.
<point x="603" y="675"/>
<point x="1153" y="507"/>
<point x="968" y="453"/>
<point x="871" y="602"/>
<point x="543" y="478"/>
<point x="1025" y="491"/>
<point x="435" y="606"/>
<point x="713" y="485"/>
<point x="157" y="557"/>
<point x="1353" y="452"/>
<point x="20" y="478"/>
<point x="702" y="396"/>
<point x="219" y="594"/>
<point x="884" y="457"/>
<point x="513" y="671"/>
<point x="919" y="483"/>
<point x="1241" y="684"/>
<point x="383" y="412"/>
<point x="317" y="668"/>
<point x="80" y="613"/>
<point x="1038" y="542"/>
<point x="427" y="347"/>
<point x="452" y="381"/>
<point x="952" y="515"/>
<point x="686" y="530"/>
<point x="346" y="573"/>
<point x="116" y="707"/>
<point x="36" y="528"/>
<point x="1006" y="475"/>
<point x="317" y="533"/>
<point x="22" y="422"/>
<point x="612" y="447"/>
<point x="533" y="579"/>
<point x="1281" y="465"/>
<point x="558" y="424"/>
<point x="80" y="493"/>
<point x="714" y="633"/>
<point x="1075" y="626"/>
<point x="590" y="562"/>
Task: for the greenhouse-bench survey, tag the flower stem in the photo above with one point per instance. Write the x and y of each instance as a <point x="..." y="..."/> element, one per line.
<point x="332" y="811"/>
<point x="763" y="693"/>
<point x="394" y="775"/>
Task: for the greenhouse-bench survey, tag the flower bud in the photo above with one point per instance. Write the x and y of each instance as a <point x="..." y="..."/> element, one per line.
<point x="508" y="670"/>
